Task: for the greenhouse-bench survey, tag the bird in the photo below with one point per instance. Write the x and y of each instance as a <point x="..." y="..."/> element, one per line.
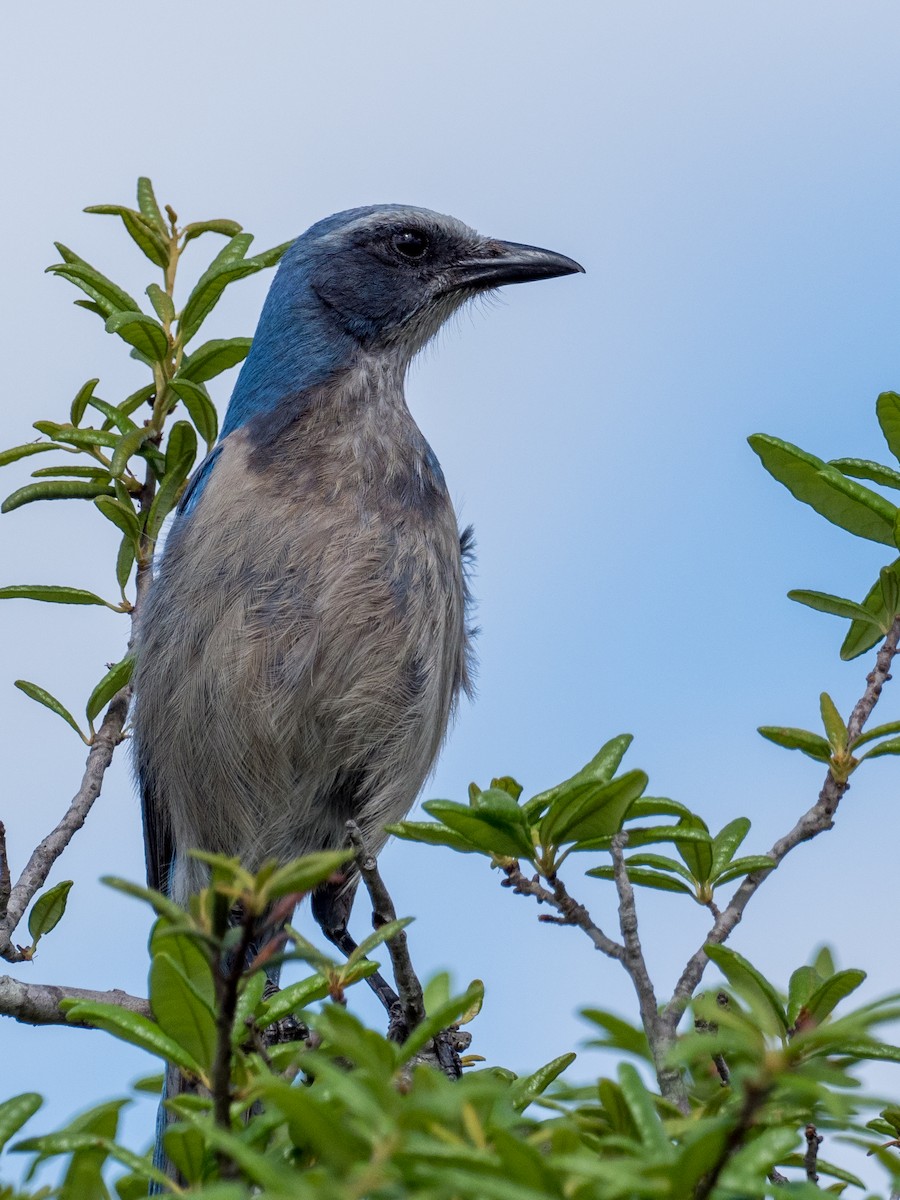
<point x="305" y="639"/>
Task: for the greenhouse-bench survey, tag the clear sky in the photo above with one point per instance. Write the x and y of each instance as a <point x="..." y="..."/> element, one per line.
<point x="728" y="174"/>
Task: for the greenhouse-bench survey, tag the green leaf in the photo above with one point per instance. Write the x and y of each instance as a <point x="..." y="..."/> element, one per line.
<point x="16" y="452"/>
<point x="807" y="743"/>
<point x="50" y="594"/>
<point x="697" y="855"/>
<point x="591" y="810"/>
<point x="643" y="878"/>
<point x="126" y="446"/>
<point x="124" y="561"/>
<point x="864" y="468"/>
<point x="181" y="1010"/>
<point x="226" y="268"/>
<point x="130" y="1027"/>
<point x="432" y="834"/>
<point x="861" y="635"/>
<point x="490" y="831"/>
<point x="527" y="1089"/>
<point x="844" y="503"/>
<point x="306" y="873"/>
<point x="200" y="408"/>
<point x="600" y="769"/>
<point x="106" y="294"/>
<point x="136" y="399"/>
<point x="43" y="697"/>
<point x="751" y="984"/>
<point x="74" y="472"/>
<point x="887" y="409"/>
<point x="652" y="806"/>
<point x="835" y="728"/>
<point x="116" y="417"/>
<point x="117" y="677"/>
<point x="80" y="403"/>
<point x="186" y="1150"/>
<point x="181" y="450"/>
<point x="804" y="982"/>
<point x="142" y="332"/>
<point x="292" y="999"/>
<point x="84" y="439"/>
<point x="214" y="357"/>
<point x="122" y="516"/>
<point x="891" y="746"/>
<point x="15" y="1112"/>
<point x="726" y="843"/>
<point x="744" y="866"/>
<point x="745" y="1172"/>
<point x="162" y="302"/>
<point x="822" y="1002"/>
<point x="57" y="490"/>
<point x="621" y="1035"/>
<point x="648" y="835"/>
<point x="160" y="904"/>
<point x="149" y="208"/>
<point x="143" y="232"/>
<point x="836" y="605"/>
<point x="643" y="1113"/>
<point x="661" y="862"/>
<point x="48" y="910"/>
<point x="442" y="1018"/>
<point x="383" y="934"/>
<point x="876" y="731"/>
<point x="270" y="258"/>
<point x="219" y="225"/>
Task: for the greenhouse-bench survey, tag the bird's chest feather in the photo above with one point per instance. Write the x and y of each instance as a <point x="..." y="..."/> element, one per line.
<point x="325" y="566"/>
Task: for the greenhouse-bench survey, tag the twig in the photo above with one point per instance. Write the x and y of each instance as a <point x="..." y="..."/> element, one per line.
<point x="409" y="988"/>
<point x="754" y="1097"/>
<point x="38" y="867"/>
<point x="571" y="912"/>
<point x="671" y="1083"/>
<point x="38" y="1003"/>
<point x="449" y="1042"/>
<point x="810" y="1158"/>
<point x="814" y="821"/>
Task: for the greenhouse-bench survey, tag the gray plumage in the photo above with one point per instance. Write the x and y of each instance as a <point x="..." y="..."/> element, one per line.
<point x="304" y="641"/>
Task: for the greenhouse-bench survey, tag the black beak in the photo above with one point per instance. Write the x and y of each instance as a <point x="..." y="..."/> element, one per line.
<point x="509" y="262"/>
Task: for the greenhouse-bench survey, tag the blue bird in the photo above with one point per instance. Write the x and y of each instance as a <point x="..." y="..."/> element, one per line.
<point x="305" y="641"/>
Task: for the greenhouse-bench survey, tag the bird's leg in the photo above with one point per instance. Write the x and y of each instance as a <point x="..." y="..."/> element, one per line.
<point x="331" y="904"/>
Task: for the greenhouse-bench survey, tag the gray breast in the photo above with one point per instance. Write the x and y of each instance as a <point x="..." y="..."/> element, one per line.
<point x="303" y="645"/>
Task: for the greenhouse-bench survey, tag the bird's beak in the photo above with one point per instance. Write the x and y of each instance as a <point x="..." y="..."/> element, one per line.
<point x="498" y="263"/>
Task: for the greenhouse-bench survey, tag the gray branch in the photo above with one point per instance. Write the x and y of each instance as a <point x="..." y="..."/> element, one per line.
<point x="38" y="1003"/>
<point x="409" y="988"/>
<point x="671" y="1083"/>
<point x="814" y="821"/>
<point x="39" y="865"/>
<point x="571" y="912"/>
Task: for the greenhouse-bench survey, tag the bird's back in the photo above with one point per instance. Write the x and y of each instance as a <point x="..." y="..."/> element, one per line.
<point x="305" y="639"/>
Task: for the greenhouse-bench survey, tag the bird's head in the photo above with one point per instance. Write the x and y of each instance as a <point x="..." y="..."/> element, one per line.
<point x="376" y="280"/>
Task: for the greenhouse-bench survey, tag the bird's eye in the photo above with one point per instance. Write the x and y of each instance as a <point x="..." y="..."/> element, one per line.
<point x="410" y="243"/>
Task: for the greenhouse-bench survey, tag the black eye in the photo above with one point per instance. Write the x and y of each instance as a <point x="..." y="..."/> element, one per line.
<point x="410" y="243"/>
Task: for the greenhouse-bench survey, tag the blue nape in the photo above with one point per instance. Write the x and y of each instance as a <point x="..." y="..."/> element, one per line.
<point x="301" y="340"/>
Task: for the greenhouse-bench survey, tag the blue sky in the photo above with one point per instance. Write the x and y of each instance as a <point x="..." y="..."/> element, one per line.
<point x="728" y="175"/>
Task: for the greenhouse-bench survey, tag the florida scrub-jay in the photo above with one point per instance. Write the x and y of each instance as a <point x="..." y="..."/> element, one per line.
<point x="305" y="640"/>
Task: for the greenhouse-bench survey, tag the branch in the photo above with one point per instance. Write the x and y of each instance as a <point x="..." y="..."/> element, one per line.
<point x="670" y="1080"/>
<point x="811" y="1157"/>
<point x="38" y="1003"/>
<point x="814" y="821"/>
<point x="571" y="912"/>
<point x="409" y="988"/>
<point x="34" y="876"/>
